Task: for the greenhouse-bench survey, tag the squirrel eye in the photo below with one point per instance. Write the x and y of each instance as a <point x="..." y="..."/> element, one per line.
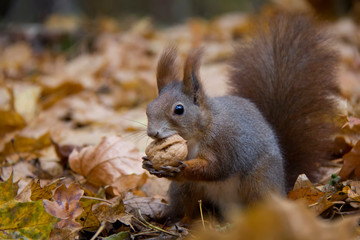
<point x="179" y="109"/>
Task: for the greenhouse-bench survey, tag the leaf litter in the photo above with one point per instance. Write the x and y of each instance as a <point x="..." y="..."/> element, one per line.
<point x="73" y="131"/>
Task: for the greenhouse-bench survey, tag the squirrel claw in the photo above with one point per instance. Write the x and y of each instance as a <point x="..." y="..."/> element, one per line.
<point x="170" y="171"/>
<point x="164" y="171"/>
<point x="147" y="164"/>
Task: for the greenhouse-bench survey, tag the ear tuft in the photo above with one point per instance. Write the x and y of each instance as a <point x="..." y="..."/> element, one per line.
<point x="192" y="85"/>
<point x="168" y="67"/>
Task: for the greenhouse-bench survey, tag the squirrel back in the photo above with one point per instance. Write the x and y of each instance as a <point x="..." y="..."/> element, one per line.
<point x="288" y="71"/>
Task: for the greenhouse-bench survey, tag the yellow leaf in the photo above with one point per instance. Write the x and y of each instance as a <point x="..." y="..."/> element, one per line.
<point x="26" y="220"/>
<point x="23" y="144"/>
<point x="10" y="121"/>
<point x="38" y="193"/>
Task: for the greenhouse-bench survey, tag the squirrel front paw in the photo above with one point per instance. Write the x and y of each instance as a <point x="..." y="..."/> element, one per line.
<point x="163" y="171"/>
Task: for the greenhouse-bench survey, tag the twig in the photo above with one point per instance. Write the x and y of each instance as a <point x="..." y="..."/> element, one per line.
<point x="201" y="214"/>
<point x="146" y="233"/>
<point x="101" y="228"/>
<point x="155" y="227"/>
<point x="95" y="198"/>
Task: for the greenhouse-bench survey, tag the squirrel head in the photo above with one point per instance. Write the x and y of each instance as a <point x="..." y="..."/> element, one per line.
<point x="181" y="107"/>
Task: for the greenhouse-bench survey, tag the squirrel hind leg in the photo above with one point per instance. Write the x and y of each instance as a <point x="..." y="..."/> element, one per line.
<point x="183" y="204"/>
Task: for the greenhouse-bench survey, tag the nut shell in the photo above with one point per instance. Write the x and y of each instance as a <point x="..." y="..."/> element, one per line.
<point x="167" y="151"/>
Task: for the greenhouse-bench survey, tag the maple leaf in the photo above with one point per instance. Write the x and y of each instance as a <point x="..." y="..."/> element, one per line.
<point x="25" y="220"/>
<point x="66" y="205"/>
<point x="38" y="193"/>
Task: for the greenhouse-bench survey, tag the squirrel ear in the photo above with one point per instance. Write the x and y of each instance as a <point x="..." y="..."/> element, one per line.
<point x="191" y="83"/>
<point x="167" y="68"/>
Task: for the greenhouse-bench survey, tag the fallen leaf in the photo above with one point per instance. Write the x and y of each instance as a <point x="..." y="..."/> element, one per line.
<point x="87" y="218"/>
<point x="304" y="189"/>
<point x="38" y="192"/>
<point x="26" y="101"/>
<point x="351" y="122"/>
<point x="10" y="121"/>
<point x="7" y="190"/>
<point x="118" y="236"/>
<point x="52" y="95"/>
<point x="27" y="220"/>
<point x="150" y="206"/>
<point x="351" y="167"/>
<point x="322" y="205"/>
<point x="126" y="183"/>
<point x="110" y="212"/>
<point x="279" y="218"/>
<point x="64" y="151"/>
<point x="102" y="164"/>
<point x="25" y="145"/>
<point x="65" y="205"/>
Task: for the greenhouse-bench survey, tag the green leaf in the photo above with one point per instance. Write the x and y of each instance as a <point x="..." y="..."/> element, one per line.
<point x="118" y="236"/>
<point x="27" y="220"/>
<point x="7" y="190"/>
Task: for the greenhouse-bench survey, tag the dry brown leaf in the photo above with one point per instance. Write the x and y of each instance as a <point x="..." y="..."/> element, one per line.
<point x="65" y="205"/>
<point x="351" y="167"/>
<point x="282" y="219"/>
<point x="110" y="213"/>
<point x="25" y="146"/>
<point x="111" y="158"/>
<point x="304" y="189"/>
<point x="126" y="183"/>
<point x="51" y="95"/>
<point x="26" y="99"/>
<point x="322" y="205"/>
<point x="149" y="206"/>
<point x="352" y="121"/>
<point x="10" y="121"/>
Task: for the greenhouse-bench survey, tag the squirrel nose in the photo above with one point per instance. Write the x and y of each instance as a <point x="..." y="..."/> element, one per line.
<point x="153" y="134"/>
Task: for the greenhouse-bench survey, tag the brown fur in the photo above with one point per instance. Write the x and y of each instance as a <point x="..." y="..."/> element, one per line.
<point x="168" y="67"/>
<point x="289" y="73"/>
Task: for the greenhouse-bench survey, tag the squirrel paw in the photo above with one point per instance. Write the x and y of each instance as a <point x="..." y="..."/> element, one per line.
<point x="164" y="171"/>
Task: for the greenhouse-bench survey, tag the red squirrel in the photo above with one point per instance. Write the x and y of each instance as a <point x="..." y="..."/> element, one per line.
<point x="272" y="126"/>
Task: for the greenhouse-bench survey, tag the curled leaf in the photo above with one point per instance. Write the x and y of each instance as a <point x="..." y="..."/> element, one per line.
<point x="104" y="163"/>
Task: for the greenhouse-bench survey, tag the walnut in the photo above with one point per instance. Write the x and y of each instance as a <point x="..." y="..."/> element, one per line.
<point x="167" y="151"/>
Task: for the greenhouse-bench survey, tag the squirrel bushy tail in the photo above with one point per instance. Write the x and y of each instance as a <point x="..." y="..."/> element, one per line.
<point x="288" y="71"/>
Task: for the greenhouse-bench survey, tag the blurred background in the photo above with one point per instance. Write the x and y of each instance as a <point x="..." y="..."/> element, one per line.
<point x="58" y="57"/>
<point x="162" y="11"/>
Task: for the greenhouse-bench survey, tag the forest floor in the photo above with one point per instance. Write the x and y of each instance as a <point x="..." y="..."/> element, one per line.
<point x="73" y="95"/>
